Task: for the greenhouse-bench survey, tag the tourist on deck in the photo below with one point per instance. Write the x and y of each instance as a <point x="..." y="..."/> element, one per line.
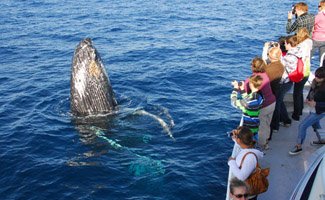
<point x="238" y="189"/>
<point x="274" y="71"/>
<point x="249" y="103"/>
<point x="304" y="19"/>
<point x="244" y="164"/>
<point x="305" y="44"/>
<point x="266" y="112"/>
<point x="289" y="61"/>
<point x="319" y="31"/>
<point x="316" y="100"/>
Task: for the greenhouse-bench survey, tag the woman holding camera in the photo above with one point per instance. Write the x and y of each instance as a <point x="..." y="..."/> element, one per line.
<point x="305" y="44"/>
<point x="242" y="167"/>
<point x="268" y="106"/>
<point x="289" y="61"/>
<point x="274" y="71"/>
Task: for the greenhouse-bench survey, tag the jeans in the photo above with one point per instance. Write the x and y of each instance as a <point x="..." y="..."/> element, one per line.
<point x="320" y="45"/>
<point x="280" y="111"/>
<point x="298" y="97"/>
<point x="311" y="120"/>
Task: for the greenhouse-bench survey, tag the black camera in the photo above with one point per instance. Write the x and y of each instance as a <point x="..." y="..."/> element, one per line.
<point x="273" y="44"/>
<point x="230" y="133"/>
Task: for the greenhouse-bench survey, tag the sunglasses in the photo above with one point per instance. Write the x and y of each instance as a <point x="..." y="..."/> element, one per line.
<point x="241" y="195"/>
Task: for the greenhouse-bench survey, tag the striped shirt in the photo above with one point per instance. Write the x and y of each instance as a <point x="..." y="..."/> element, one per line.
<point x="250" y="105"/>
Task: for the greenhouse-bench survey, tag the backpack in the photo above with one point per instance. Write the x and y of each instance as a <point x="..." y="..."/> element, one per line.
<point x="257" y="181"/>
<point x="298" y="74"/>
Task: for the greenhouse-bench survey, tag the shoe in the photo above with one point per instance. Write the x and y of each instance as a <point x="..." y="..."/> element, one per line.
<point x="296" y="118"/>
<point x="295" y="150"/>
<point x="317" y="142"/>
<point x="285" y="124"/>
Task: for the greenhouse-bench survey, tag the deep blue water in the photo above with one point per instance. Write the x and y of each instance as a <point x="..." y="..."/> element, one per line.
<point x="172" y="58"/>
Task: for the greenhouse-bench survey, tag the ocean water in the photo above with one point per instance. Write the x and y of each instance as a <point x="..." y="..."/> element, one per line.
<point x="174" y="59"/>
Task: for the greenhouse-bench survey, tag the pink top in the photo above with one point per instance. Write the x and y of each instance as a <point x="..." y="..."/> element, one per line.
<point x="319" y="27"/>
<point x="266" y="90"/>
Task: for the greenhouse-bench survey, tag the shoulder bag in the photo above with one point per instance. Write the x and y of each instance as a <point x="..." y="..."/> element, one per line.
<point x="257" y="181"/>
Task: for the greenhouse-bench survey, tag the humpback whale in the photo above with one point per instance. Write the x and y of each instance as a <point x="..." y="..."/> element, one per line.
<point x="90" y="90"/>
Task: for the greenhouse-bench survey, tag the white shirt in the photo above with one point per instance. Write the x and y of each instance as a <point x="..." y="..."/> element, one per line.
<point x="248" y="166"/>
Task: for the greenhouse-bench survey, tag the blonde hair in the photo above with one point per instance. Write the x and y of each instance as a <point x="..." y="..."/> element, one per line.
<point x="275" y="53"/>
<point x="301" y="6"/>
<point x="302" y="34"/>
<point x="256" y="81"/>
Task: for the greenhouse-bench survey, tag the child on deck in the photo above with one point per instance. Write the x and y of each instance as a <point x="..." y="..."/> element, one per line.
<point x="249" y="103"/>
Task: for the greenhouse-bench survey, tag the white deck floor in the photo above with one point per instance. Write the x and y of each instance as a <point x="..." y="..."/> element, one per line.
<point x="287" y="170"/>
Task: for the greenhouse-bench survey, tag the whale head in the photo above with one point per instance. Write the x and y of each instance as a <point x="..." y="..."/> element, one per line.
<point x="90" y="90"/>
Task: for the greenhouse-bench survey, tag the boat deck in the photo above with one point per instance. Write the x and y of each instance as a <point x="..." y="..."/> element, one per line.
<point x="286" y="170"/>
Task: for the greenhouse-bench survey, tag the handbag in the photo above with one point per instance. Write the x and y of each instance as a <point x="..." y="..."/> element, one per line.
<point x="257" y="182"/>
<point x="298" y="74"/>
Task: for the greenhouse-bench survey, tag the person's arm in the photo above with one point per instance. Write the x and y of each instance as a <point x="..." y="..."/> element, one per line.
<point x="248" y="166"/>
<point x="319" y="99"/>
<point x="310" y="95"/>
<point x="238" y="103"/>
<point x="246" y="86"/>
<point x="264" y="53"/>
<point x="238" y="87"/>
<point x="234" y="98"/>
<point x="290" y="62"/>
<point x="291" y="27"/>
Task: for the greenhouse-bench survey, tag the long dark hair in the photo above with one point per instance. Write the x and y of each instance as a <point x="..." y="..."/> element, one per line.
<point x="320" y="73"/>
<point x="246" y="136"/>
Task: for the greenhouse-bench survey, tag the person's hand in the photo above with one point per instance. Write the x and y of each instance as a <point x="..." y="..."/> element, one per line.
<point x="231" y="158"/>
<point x="290" y="14"/>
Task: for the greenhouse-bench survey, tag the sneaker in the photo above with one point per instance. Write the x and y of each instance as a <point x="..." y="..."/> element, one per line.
<point x="317" y="142"/>
<point x="295" y="150"/>
<point x="285" y="124"/>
